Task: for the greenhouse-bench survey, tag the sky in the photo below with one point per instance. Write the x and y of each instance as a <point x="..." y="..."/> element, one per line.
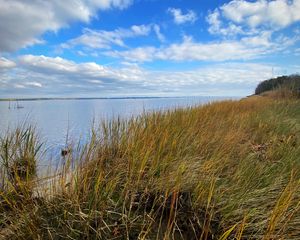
<point x="121" y="48"/>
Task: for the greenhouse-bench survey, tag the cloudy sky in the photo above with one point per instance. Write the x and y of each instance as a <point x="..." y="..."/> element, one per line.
<point x="109" y="48"/>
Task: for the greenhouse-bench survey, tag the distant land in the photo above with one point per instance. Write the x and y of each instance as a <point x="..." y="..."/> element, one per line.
<point x="81" y="98"/>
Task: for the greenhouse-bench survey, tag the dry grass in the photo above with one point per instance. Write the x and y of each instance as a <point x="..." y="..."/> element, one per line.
<point x="282" y="93"/>
<point x="227" y="170"/>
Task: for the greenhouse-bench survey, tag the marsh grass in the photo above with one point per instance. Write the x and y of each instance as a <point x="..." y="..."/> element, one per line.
<point x="226" y="170"/>
<point x="19" y="153"/>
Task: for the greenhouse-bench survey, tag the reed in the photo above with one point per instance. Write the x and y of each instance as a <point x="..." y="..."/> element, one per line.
<point x="225" y="170"/>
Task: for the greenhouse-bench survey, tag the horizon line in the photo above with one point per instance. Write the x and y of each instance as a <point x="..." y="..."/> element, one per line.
<point x="95" y="98"/>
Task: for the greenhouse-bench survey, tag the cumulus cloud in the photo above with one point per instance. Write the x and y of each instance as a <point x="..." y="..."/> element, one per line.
<point x="231" y="17"/>
<point x="61" y="66"/>
<point x="216" y="26"/>
<point x="23" y="22"/>
<point x="47" y="76"/>
<point x="181" y="18"/>
<point x="246" y="48"/>
<point x="98" y="39"/>
<point x="277" y="13"/>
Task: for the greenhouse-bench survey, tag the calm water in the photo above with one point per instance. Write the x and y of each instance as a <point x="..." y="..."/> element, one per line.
<point x="54" y="119"/>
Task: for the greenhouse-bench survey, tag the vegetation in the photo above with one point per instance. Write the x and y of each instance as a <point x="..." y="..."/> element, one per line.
<point x="286" y="86"/>
<point x="226" y="170"/>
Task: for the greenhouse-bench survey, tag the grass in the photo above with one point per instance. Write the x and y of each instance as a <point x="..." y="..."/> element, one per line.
<point x="225" y="170"/>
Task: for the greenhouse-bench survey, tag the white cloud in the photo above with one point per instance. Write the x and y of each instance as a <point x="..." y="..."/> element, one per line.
<point x="18" y="86"/>
<point x="216" y="26"/>
<point x="53" y="65"/>
<point x="158" y="33"/>
<point x="139" y="54"/>
<point x="264" y="39"/>
<point x="140" y="30"/>
<point x="31" y="78"/>
<point x="98" y="39"/>
<point x="34" y="84"/>
<point x="6" y="63"/>
<point x="23" y="22"/>
<point x="180" y="18"/>
<point x="107" y="4"/>
<point x="230" y="18"/>
<point x="246" y="48"/>
<point x="58" y="66"/>
<point x="229" y="79"/>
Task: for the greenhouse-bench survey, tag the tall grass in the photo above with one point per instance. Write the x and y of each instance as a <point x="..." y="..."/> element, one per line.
<point x="19" y="153"/>
<point x="226" y="170"/>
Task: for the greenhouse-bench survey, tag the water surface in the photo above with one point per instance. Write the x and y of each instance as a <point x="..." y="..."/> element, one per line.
<point x="57" y="119"/>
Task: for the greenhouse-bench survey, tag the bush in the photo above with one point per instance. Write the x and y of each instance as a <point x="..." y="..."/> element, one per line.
<point x="291" y="83"/>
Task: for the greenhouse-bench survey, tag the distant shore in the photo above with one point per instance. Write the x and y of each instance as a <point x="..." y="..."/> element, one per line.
<point x="87" y="98"/>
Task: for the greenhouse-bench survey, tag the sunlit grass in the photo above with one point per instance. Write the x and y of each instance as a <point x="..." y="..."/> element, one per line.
<point x="226" y="170"/>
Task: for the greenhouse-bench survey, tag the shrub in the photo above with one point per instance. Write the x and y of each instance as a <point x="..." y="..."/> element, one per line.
<point x="290" y="83"/>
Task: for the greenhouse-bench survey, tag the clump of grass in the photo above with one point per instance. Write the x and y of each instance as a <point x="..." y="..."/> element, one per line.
<point x="226" y="170"/>
<point x="19" y="151"/>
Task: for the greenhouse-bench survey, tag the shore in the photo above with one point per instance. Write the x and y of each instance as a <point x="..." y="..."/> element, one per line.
<point x="225" y="170"/>
<point x="84" y="98"/>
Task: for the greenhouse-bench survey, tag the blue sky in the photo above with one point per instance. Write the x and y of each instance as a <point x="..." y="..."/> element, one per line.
<point x="115" y="48"/>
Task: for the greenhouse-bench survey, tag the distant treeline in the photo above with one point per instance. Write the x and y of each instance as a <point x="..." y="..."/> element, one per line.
<point x="291" y="82"/>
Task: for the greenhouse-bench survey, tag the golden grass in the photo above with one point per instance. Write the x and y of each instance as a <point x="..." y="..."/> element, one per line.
<point x="226" y="170"/>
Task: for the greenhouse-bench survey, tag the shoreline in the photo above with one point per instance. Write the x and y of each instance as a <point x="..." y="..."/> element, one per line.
<point x="107" y="98"/>
<point x="228" y="167"/>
